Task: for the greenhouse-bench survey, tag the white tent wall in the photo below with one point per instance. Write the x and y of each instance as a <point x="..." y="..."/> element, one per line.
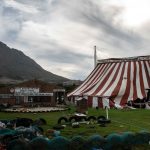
<point x="105" y="102"/>
<point x="95" y="102"/>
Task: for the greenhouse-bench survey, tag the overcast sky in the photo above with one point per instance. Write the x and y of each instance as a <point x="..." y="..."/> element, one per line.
<point x="60" y="34"/>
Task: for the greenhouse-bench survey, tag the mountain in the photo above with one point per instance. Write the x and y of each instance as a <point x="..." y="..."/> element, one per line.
<point x="15" y="66"/>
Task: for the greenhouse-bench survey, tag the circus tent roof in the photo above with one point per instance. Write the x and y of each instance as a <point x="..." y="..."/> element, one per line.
<point x="120" y="79"/>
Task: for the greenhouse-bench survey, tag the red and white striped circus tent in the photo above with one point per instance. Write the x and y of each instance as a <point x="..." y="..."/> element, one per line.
<point x="115" y="81"/>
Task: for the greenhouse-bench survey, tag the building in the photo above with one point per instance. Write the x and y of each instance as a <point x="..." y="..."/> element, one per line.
<point x="115" y="81"/>
<point x="32" y="93"/>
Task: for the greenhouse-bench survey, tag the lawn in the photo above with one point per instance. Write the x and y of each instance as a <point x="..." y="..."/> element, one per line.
<point x="121" y="120"/>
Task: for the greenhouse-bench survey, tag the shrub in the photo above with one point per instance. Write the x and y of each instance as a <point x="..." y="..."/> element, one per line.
<point x="18" y="145"/>
<point x="128" y="139"/>
<point x="59" y="143"/>
<point x="39" y="143"/>
<point x="95" y="141"/>
<point x="142" y="137"/>
<point x="114" y="141"/>
<point x="76" y="143"/>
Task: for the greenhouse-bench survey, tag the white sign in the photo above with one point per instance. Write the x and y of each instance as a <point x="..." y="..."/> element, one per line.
<point x="30" y="92"/>
<point x="26" y="91"/>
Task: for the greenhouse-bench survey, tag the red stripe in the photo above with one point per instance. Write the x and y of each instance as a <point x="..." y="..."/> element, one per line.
<point x="127" y="91"/>
<point x="104" y="80"/>
<point x="117" y="88"/>
<point x="86" y="80"/>
<point x="92" y="74"/>
<point x="134" y="82"/>
<point x="111" y="104"/>
<point x="141" y="80"/>
<point x="112" y="81"/>
<point x="105" y="70"/>
<point x="147" y="74"/>
<point x="96" y="76"/>
<point x="100" y="104"/>
<point x="90" y="101"/>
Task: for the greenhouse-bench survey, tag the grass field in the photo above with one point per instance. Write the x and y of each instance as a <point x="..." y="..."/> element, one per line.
<point x="121" y="120"/>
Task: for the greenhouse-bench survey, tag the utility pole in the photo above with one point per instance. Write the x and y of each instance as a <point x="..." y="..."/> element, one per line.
<point x="95" y="57"/>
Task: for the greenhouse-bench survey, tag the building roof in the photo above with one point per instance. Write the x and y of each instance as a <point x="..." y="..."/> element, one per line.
<point x="43" y="86"/>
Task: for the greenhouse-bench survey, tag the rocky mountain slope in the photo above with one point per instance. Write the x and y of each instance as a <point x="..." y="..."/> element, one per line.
<point x="15" y="66"/>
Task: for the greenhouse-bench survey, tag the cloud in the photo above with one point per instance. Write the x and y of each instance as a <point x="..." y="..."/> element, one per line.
<point x="60" y="35"/>
<point x="96" y="17"/>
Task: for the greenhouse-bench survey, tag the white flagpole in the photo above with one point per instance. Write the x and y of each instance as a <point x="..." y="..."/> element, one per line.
<point x="95" y="57"/>
<point x="107" y="113"/>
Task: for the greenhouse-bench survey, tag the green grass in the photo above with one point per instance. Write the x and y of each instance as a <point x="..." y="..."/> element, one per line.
<point x="122" y="120"/>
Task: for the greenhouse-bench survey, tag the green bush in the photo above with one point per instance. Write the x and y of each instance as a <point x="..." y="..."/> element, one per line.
<point x="128" y="138"/>
<point x="76" y="143"/>
<point x="95" y="141"/>
<point x="114" y="141"/>
<point x="142" y="137"/>
<point x="39" y="143"/>
<point x="59" y="143"/>
<point x="18" y="145"/>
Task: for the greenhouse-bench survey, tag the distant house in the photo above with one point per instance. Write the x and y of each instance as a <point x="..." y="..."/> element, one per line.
<point x="32" y="93"/>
